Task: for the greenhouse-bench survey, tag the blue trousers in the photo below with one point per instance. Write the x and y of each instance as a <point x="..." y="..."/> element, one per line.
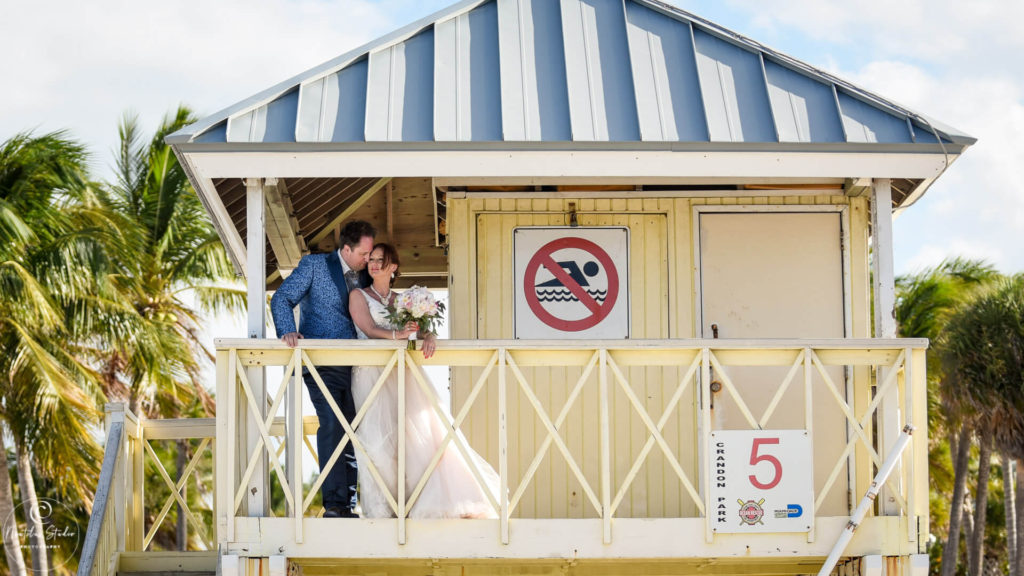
<point x="339" y="488"/>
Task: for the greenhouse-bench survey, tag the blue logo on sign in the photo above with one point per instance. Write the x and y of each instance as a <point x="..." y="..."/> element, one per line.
<point x="795" y="511"/>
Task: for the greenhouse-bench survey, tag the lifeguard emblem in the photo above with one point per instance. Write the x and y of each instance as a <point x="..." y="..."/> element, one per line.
<point x="751" y="512"/>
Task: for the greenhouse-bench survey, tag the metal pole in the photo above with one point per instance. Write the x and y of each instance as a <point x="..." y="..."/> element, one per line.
<point x="883" y="473"/>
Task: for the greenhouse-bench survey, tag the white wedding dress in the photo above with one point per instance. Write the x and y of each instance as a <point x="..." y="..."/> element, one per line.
<point x="452" y="490"/>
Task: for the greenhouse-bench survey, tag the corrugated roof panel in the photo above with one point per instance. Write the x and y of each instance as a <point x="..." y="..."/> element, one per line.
<point x="669" y="103"/>
<point x="549" y="94"/>
<point x="519" y="120"/>
<point x="924" y="134"/>
<point x="804" y="109"/>
<point x="865" y="123"/>
<point x="733" y="87"/>
<point x="272" y="122"/>
<point x="311" y="111"/>
<point x="219" y="133"/>
<point x="379" y="93"/>
<point x="447" y="80"/>
<point x="558" y="71"/>
<point x="239" y="127"/>
<point x="417" y="105"/>
<point x="466" y="77"/>
<point x="400" y="91"/>
<point x="602" y="105"/>
<point x="344" y="118"/>
<point x="485" y="76"/>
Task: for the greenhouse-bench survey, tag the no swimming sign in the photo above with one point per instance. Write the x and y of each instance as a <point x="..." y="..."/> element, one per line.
<point x="571" y="283"/>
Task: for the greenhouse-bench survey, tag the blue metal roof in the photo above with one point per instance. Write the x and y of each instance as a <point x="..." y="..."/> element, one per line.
<point x="567" y="71"/>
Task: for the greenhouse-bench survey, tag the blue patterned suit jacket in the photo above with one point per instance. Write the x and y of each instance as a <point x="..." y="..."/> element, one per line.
<point x="318" y="284"/>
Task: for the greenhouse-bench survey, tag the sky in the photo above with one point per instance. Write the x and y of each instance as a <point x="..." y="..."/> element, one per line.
<point x="81" y="66"/>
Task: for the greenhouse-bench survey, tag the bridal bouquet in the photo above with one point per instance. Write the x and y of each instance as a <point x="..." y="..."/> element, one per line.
<point x="417" y="305"/>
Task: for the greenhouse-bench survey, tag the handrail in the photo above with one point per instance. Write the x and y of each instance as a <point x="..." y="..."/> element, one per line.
<point x="602" y="361"/>
<point x="715" y="343"/>
<point x="100" y="523"/>
<point x="600" y="369"/>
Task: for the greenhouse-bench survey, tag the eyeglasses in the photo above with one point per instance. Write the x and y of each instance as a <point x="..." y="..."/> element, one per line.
<point x="377" y="260"/>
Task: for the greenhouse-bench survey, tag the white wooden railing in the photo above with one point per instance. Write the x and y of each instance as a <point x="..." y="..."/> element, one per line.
<point x="117" y="526"/>
<point x="256" y="426"/>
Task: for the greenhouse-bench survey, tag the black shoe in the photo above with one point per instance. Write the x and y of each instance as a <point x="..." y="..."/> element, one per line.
<point x="339" y="512"/>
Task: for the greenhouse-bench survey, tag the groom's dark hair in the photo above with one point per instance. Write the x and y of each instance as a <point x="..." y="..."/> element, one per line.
<point x="356" y="230"/>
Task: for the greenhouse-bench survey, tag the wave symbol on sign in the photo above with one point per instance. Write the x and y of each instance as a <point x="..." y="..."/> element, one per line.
<point x="554" y="291"/>
<point x="564" y="295"/>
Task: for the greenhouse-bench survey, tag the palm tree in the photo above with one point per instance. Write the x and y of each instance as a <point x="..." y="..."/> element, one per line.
<point x="985" y="346"/>
<point x="176" y="256"/>
<point x="925" y="302"/>
<point x="52" y="265"/>
<point x="177" y="253"/>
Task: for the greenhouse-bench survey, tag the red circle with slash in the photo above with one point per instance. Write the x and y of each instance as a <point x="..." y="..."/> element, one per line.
<point x="598" y="311"/>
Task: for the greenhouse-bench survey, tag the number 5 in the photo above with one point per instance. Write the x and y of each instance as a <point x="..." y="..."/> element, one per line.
<point x="756" y="458"/>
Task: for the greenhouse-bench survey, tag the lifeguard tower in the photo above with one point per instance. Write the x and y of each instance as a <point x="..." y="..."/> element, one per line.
<point x="661" y="243"/>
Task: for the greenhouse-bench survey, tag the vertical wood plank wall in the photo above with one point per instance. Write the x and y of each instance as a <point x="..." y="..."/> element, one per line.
<point x="662" y="306"/>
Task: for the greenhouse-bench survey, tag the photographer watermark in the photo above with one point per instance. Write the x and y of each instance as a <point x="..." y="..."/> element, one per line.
<point x="48" y="527"/>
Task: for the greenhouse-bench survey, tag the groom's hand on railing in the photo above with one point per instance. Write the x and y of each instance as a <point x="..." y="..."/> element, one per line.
<point x="291" y="339"/>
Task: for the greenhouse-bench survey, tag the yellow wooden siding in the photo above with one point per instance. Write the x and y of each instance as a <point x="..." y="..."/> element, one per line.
<point x="662" y="305"/>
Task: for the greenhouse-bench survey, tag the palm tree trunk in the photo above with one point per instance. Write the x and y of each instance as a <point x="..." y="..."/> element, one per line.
<point x="1020" y="517"/>
<point x="951" y="552"/>
<point x="1010" y="511"/>
<point x="36" y="535"/>
<point x="182" y="461"/>
<point x="12" y="540"/>
<point x="133" y="402"/>
<point x="977" y="542"/>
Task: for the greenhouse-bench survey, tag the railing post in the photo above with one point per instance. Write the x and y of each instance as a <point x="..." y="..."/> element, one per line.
<point x="704" y="397"/>
<point x="129" y="479"/>
<point x="224" y="448"/>
<point x="918" y="382"/>
<point x="606" y="450"/>
<point x="136" y="433"/>
<point x="909" y="468"/>
<point x="809" y="417"/>
<point x="503" y="444"/>
<point x="115" y="414"/>
<point x="401" y="447"/>
<point x="293" y="441"/>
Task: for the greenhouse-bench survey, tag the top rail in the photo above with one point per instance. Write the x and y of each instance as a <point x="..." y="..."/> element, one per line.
<point x="633" y="344"/>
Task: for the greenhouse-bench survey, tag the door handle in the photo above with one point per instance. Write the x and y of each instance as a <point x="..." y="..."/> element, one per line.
<point x="715" y="386"/>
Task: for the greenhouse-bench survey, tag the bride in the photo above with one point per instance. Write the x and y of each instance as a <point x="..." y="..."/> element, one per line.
<point x="451" y="490"/>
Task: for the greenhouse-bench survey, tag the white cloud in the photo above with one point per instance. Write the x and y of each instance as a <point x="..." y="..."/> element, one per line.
<point x="80" y="65"/>
<point x="931" y="30"/>
<point x="958" y="63"/>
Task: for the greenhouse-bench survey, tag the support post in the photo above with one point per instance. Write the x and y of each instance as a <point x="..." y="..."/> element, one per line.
<point x="116" y="415"/>
<point x="881" y="258"/>
<point x="885" y="321"/>
<point x="293" y="441"/>
<point x="256" y="492"/>
<point x="605" y="442"/>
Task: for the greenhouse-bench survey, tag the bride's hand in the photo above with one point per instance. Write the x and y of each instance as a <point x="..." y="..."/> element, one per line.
<point x="429" y="345"/>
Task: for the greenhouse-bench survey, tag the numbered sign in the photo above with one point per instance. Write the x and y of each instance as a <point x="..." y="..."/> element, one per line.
<point x="761" y="481"/>
<point x="571" y="283"/>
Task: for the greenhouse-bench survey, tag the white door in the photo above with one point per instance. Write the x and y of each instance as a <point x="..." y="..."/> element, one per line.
<point x="777" y="275"/>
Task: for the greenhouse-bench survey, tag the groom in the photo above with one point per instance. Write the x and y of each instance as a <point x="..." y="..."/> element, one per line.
<point x="321" y="284"/>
